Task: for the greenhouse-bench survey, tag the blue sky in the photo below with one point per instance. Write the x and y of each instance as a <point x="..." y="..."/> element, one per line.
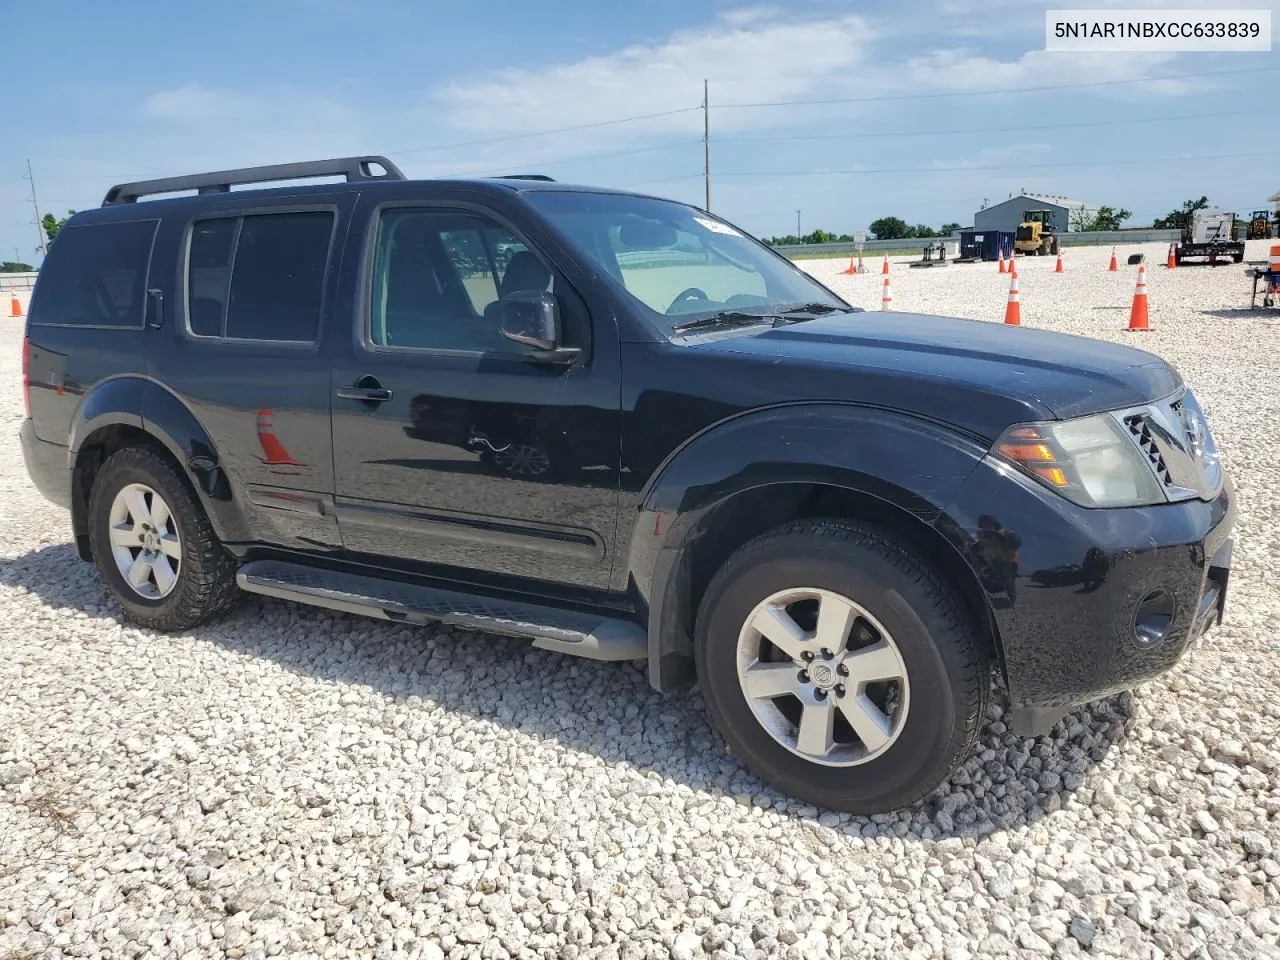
<point x="133" y="89"/>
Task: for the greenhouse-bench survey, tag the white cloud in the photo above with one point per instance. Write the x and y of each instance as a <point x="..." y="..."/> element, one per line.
<point x="193" y="102"/>
<point x="751" y="52"/>
<point x="743" y="15"/>
<point x="959" y="68"/>
<point x="196" y="127"/>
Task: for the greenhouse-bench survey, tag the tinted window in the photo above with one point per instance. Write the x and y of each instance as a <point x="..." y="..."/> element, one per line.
<point x="675" y="260"/>
<point x="438" y="277"/>
<point x="258" y="277"/>
<point x="209" y="273"/>
<point x="96" y="275"/>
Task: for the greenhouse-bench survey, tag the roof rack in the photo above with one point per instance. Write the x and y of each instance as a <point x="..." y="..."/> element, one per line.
<point x="526" y="176"/>
<point x="221" y="181"/>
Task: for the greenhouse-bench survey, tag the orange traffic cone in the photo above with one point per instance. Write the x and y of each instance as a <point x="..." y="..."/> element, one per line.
<point x="1138" y="314"/>
<point x="15" y="305"/>
<point x="1113" y="268"/>
<point x="1002" y="269"/>
<point x="273" y="451"/>
<point x="1013" y="264"/>
<point x="886" y="298"/>
<point x="1173" y="257"/>
<point x="885" y="269"/>
<point x="853" y="268"/>
<point x="1013" y="311"/>
<point x="1058" y="267"/>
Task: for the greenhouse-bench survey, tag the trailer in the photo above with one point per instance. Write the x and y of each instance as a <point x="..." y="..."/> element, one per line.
<point x="1208" y="235"/>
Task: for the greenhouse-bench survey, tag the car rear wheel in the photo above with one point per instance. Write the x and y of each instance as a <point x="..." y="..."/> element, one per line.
<point x="840" y="666"/>
<point x="154" y="546"/>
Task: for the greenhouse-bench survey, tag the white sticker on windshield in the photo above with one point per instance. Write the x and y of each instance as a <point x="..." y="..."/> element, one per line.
<point x="715" y="226"/>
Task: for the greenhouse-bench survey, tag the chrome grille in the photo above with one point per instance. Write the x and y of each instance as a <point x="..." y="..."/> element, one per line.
<point x="1184" y="461"/>
<point x="1140" y="429"/>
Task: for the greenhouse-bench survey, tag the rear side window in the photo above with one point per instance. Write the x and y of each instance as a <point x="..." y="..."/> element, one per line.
<point x="258" y="277"/>
<point x="96" y="276"/>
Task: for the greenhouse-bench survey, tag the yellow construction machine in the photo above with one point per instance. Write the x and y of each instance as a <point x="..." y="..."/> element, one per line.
<point x="1035" y="234"/>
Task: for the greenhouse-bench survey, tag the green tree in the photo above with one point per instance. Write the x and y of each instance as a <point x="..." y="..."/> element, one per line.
<point x="1177" y="219"/>
<point x="890" y="228"/>
<point x="52" y="224"/>
<point x="818" y="236"/>
<point x="1104" y="218"/>
<point x="13" y="266"/>
<point x="947" y="229"/>
<point x="923" y="230"/>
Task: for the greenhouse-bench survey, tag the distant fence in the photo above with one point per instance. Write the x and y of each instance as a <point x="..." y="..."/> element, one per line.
<point x="1072" y="239"/>
<point x="19" y="281"/>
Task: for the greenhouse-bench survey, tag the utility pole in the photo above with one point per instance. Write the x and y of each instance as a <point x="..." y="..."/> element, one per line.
<point x="706" y="142"/>
<point x="44" y="248"/>
<point x="797" y="226"/>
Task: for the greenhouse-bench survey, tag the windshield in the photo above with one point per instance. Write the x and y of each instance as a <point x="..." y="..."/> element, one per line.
<point x="676" y="261"/>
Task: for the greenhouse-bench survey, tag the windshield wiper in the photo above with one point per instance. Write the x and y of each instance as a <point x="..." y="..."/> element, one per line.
<point x="722" y="319"/>
<point x="812" y="308"/>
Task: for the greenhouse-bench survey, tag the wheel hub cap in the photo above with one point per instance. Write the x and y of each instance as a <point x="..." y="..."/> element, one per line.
<point x="823" y="676"/>
<point x="145" y="543"/>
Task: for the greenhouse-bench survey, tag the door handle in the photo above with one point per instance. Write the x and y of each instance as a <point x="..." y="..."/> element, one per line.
<point x="367" y="389"/>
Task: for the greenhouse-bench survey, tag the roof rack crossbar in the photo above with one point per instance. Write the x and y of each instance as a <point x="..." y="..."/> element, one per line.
<point x="526" y="176"/>
<point x="221" y="181"/>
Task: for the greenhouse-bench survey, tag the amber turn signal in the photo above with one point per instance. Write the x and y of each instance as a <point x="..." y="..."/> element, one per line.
<point x="1031" y="449"/>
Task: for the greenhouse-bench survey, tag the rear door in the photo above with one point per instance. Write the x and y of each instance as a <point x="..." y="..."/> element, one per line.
<point x="250" y="286"/>
<point x="474" y="462"/>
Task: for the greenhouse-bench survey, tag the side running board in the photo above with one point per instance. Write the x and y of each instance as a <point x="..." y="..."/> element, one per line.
<point x="564" y="631"/>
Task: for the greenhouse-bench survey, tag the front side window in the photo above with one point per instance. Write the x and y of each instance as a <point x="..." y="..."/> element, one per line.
<point x="258" y="277"/>
<point x="675" y="260"/>
<point x="96" y="276"/>
<point x="438" y="278"/>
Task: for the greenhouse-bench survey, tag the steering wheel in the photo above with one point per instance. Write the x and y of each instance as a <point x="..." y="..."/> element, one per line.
<point x="692" y="293"/>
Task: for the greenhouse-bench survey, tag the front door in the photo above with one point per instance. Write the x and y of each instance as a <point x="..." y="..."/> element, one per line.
<point x="451" y="448"/>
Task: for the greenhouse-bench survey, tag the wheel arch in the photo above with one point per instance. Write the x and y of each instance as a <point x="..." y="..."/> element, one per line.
<point x="891" y="470"/>
<point x="129" y="411"/>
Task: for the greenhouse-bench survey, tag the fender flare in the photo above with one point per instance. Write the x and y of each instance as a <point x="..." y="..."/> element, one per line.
<point x="910" y="463"/>
<point x="143" y="404"/>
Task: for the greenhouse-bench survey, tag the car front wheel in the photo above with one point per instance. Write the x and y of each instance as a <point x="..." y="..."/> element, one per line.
<point x="840" y="666"/>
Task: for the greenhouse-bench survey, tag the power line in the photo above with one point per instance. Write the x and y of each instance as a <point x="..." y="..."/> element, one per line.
<point x="546" y="133"/>
<point x="1018" y="129"/>
<point x="979" y="168"/>
<point x="481" y="171"/>
<point x="880" y="135"/>
<point x="640" y="183"/>
<point x="1003" y="90"/>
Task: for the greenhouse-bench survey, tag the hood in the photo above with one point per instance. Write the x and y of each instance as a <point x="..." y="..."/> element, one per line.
<point x="929" y="364"/>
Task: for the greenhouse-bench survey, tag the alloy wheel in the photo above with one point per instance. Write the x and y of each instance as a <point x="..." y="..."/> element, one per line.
<point x="823" y="677"/>
<point x="145" y="542"/>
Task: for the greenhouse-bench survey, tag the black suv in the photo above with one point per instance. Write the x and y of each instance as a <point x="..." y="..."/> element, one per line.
<point x="618" y="426"/>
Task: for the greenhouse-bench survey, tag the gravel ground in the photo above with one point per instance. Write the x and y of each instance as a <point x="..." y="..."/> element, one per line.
<point x="293" y="781"/>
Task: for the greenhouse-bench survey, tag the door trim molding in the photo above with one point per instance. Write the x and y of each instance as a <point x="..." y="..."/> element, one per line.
<point x="441" y="524"/>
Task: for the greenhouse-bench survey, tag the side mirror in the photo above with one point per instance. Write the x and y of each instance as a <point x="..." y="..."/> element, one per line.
<point x="532" y="318"/>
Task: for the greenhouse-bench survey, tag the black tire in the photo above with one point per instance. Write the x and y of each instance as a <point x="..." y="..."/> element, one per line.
<point x="948" y="667"/>
<point x="206" y="583"/>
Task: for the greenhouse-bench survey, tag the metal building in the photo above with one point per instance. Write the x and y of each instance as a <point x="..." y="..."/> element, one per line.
<point x="1007" y="214"/>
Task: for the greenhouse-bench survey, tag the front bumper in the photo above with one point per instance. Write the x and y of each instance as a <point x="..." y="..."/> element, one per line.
<point x="1069" y="587"/>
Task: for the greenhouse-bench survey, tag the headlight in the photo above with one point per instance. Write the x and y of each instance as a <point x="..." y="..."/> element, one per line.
<point x="1090" y="461"/>
<point x="1200" y="441"/>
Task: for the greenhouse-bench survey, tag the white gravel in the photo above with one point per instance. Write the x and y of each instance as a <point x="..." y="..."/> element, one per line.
<point x="292" y="781"/>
